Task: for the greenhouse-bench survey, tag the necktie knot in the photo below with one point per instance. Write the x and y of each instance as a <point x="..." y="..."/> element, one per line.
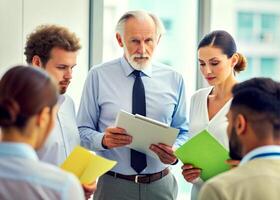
<point x="137" y="73"/>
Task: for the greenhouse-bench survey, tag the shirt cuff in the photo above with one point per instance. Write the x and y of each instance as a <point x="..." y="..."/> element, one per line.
<point x="177" y="160"/>
<point x="98" y="141"/>
<point x="197" y="181"/>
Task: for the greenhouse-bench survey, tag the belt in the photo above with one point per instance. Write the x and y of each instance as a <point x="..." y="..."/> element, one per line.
<point x="147" y="178"/>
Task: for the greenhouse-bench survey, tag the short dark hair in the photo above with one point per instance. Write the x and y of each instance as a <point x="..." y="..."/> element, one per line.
<point x="24" y="92"/>
<point x="45" y="38"/>
<point x="224" y="41"/>
<point x="259" y="100"/>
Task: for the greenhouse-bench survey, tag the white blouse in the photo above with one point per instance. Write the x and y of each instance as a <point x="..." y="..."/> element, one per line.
<point x="199" y="120"/>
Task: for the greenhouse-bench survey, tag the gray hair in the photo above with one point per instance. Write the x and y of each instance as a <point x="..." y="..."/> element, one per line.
<point x="139" y="14"/>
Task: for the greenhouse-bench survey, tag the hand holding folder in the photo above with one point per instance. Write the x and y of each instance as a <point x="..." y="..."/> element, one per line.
<point x="86" y="166"/>
<point x="145" y="131"/>
<point x="205" y="152"/>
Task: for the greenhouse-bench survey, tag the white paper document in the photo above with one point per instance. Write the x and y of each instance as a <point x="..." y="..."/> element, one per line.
<point x="145" y="131"/>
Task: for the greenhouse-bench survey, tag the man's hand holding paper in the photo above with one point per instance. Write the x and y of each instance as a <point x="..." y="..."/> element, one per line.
<point x="115" y="137"/>
<point x="164" y="152"/>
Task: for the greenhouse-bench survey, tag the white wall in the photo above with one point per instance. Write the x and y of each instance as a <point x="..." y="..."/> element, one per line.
<point x="11" y="27"/>
<point x="19" y="17"/>
<point x="223" y="15"/>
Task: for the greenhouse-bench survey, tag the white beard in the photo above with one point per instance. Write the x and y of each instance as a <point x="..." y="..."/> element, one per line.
<point x="137" y="65"/>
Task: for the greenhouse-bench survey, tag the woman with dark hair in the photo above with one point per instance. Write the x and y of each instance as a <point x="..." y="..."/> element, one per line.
<point x="28" y="98"/>
<point x="219" y="63"/>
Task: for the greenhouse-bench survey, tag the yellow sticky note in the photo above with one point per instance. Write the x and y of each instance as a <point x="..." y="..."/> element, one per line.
<point x="87" y="166"/>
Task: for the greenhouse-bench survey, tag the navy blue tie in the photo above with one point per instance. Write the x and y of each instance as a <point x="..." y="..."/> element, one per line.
<point x="138" y="160"/>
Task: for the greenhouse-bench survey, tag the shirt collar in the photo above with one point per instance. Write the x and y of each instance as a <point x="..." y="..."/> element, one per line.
<point x="20" y="150"/>
<point x="261" y="150"/>
<point x="128" y="69"/>
<point x="61" y="99"/>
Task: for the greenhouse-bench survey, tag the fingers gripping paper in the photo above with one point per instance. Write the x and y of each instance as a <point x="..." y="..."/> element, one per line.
<point x="204" y="152"/>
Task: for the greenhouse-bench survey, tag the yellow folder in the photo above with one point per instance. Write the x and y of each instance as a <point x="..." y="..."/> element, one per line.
<point x="87" y="166"/>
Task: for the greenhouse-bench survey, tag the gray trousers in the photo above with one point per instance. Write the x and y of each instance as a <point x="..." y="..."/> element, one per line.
<point x="110" y="188"/>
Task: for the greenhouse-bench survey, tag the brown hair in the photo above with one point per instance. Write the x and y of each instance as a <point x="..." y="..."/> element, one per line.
<point x="45" y="38"/>
<point x="224" y="41"/>
<point x="24" y="92"/>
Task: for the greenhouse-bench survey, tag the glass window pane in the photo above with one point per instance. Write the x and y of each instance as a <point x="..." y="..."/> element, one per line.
<point x="268" y="21"/>
<point x="245" y="25"/>
<point x="248" y="72"/>
<point x="269" y="68"/>
<point x="255" y="27"/>
<point x="268" y="27"/>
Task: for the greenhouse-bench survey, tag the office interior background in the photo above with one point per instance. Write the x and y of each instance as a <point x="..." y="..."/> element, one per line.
<point x="255" y="25"/>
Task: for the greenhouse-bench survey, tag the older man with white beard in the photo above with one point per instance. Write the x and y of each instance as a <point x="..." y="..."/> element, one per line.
<point x="135" y="84"/>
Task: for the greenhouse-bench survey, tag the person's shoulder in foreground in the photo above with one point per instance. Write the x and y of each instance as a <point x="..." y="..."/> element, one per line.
<point x="248" y="181"/>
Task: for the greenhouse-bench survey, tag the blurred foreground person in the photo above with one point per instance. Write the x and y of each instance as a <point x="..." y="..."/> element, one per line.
<point x="28" y="98"/>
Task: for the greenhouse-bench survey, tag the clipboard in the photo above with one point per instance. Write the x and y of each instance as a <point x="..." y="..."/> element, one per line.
<point x="145" y="131"/>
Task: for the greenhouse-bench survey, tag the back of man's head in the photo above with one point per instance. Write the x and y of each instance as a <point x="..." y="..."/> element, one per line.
<point x="45" y="38"/>
<point x="258" y="99"/>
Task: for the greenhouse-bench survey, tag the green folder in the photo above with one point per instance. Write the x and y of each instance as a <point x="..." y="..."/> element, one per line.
<point x="205" y="152"/>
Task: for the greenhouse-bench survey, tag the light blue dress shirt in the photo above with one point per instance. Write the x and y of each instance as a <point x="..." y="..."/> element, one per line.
<point x="23" y="176"/>
<point x="65" y="135"/>
<point x="108" y="89"/>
